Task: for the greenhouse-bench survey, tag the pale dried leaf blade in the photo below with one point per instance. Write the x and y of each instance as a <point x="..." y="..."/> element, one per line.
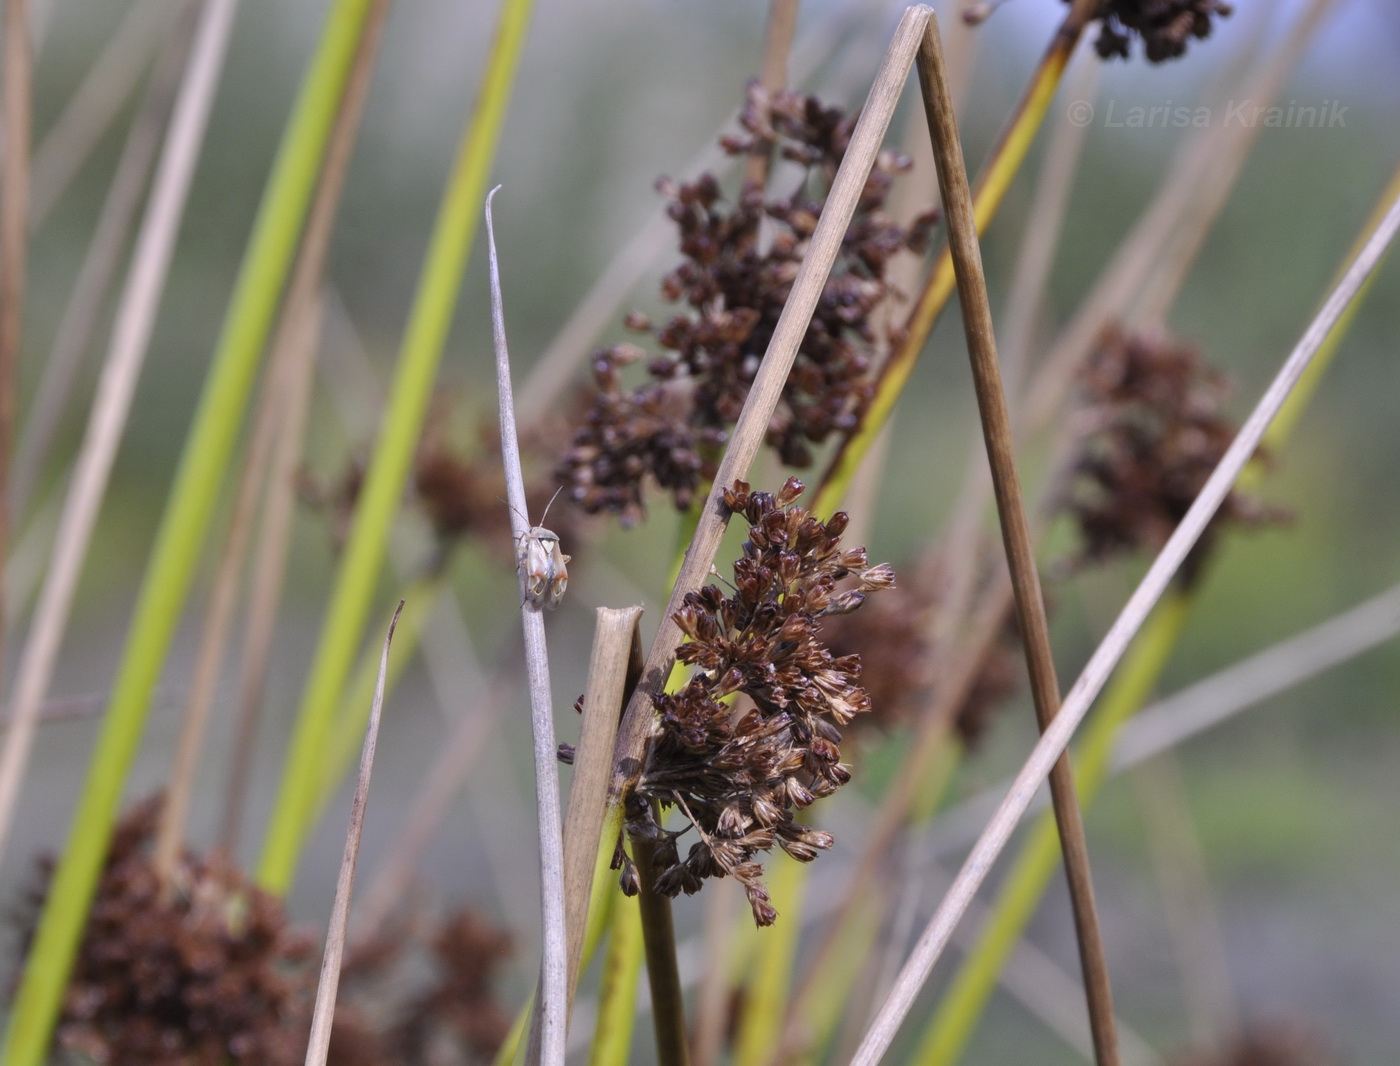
<point x="318" y="1045"/>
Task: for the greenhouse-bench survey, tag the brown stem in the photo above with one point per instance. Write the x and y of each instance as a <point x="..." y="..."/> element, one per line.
<point x="777" y="43"/>
<point x="659" y="935"/>
<point x="14" y="222"/>
<point x="1030" y="606"/>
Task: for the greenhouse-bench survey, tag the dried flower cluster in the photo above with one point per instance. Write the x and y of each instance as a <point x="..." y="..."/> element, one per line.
<point x="738" y="775"/>
<point x="1165" y="26"/>
<point x="209" y="974"/>
<point x="1157" y="432"/>
<point x="740" y="260"/>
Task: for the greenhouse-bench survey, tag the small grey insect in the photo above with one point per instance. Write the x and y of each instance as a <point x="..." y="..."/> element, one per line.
<point x="539" y="556"/>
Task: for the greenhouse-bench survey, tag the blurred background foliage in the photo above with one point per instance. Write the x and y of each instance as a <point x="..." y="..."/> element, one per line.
<point x="1293" y="800"/>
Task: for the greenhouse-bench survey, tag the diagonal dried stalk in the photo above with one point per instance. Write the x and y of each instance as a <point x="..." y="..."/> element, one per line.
<point x="324" y="1014"/>
<point x="1096" y="672"/>
<point x="552" y="1004"/>
<point x="1020" y="557"/>
<point x="130" y="336"/>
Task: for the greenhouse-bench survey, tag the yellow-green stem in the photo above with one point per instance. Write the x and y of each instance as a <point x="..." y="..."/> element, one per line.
<point x="182" y="532"/>
<point x="388" y="470"/>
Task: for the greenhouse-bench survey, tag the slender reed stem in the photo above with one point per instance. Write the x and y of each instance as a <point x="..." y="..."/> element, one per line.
<point x="434" y="302"/>
<point x="659" y="937"/>
<point x="773" y="75"/>
<point x="17" y="104"/>
<point x="552" y="1003"/>
<point x="1110" y="650"/>
<point x="182" y="528"/>
<point x="103" y="258"/>
<point x="131" y="335"/>
<point x="1020" y="557"/>
<point x="98" y="102"/>
<point x="282" y="410"/>
<point x="1189" y="910"/>
<point x="323" y="1016"/>
<point x="615" y="631"/>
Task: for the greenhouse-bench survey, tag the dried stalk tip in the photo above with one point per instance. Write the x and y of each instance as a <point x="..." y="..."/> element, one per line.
<point x="737" y="775"/>
<point x="740" y="262"/>
<point x="1156" y="431"/>
<point x="1165" y="26"/>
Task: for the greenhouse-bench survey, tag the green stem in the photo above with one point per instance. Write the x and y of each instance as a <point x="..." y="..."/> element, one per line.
<point x="182" y="531"/>
<point x="360" y="567"/>
<point x="617" y="996"/>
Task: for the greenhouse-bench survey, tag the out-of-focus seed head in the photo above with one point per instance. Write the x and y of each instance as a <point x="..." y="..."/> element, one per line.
<point x="1157" y="431"/>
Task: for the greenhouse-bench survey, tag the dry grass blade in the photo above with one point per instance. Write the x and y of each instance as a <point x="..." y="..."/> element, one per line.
<point x="102" y="260"/>
<point x="1189" y="909"/>
<point x="324" y="1015"/>
<point x="767" y="386"/>
<point x="1094" y="675"/>
<point x="130" y="335"/>
<point x="1205" y="704"/>
<point x="614" y="634"/>
<point x="1030" y="606"/>
<point x="552" y="1004"/>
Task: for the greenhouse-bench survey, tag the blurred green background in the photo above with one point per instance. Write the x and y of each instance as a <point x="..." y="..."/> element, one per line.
<point x="1293" y="801"/>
